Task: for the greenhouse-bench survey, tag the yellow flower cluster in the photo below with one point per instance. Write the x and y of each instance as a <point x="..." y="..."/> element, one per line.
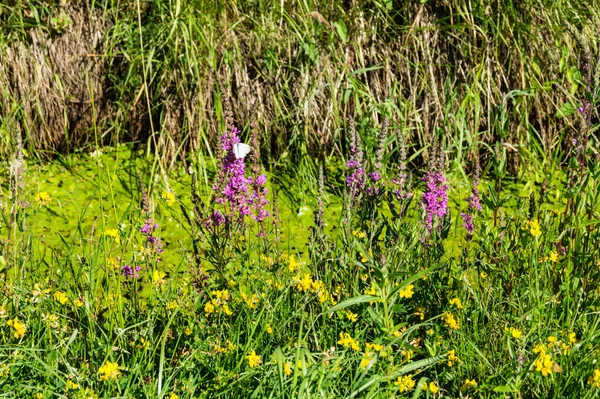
<point x="594" y="379"/>
<point x="218" y="303"/>
<point x="544" y="363"/>
<point x="450" y="321"/>
<point x="169" y="197"/>
<point x="433" y="388"/>
<point x="19" y="327"/>
<point x="254" y="360"/>
<point x="456" y="302"/>
<point x="61" y="297"/>
<point x="468" y="384"/>
<point x="348" y="342"/>
<point x="452" y="359"/>
<point x="43" y="198"/>
<point x="291" y="262"/>
<point x="405" y="383"/>
<point x="406" y="292"/>
<point x="366" y="360"/>
<point x="250" y="301"/>
<point x="534" y="227"/>
<point x="113" y="233"/>
<point x="229" y="346"/>
<point x="109" y="370"/>
<point x="305" y="283"/>
<point x="514" y="332"/>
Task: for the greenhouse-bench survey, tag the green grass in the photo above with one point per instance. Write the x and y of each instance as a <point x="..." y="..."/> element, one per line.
<point x="189" y="325"/>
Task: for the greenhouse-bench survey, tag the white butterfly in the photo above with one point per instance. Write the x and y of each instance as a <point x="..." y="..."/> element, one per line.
<point x="240" y="150"/>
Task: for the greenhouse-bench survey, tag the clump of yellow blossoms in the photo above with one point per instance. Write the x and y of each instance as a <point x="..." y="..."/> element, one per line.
<point x="406" y="292"/>
<point x="405" y="383"/>
<point x="287" y="369"/>
<point x="348" y="342"/>
<point x="61" y="297"/>
<point x="109" y="370"/>
<point x="113" y="233"/>
<point x="450" y="321"/>
<point x="514" y="332"/>
<point x="254" y="360"/>
<point x="169" y="197"/>
<point x="452" y="359"/>
<point x="19" y="327"/>
<point x="456" y="302"/>
<point x="594" y="379"/>
<point x="534" y="228"/>
<point x="43" y="198"/>
<point x="432" y="387"/>
<point x="468" y="384"/>
<point x="218" y="302"/>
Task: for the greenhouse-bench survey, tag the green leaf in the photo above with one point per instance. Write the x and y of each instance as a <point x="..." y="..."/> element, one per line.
<point x="342" y="31"/>
<point x="417" y="365"/>
<point x="354" y="301"/>
<point x="567" y="109"/>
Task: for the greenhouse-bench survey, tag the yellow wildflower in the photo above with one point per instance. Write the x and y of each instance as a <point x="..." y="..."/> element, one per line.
<point x="114" y="233"/>
<point x="72" y="385"/>
<point x="209" y="308"/>
<point x="552" y="340"/>
<point x="269" y="329"/>
<point x="405" y="383"/>
<point x="452" y="358"/>
<point x="543" y="364"/>
<point x="61" y="297"/>
<point x="292" y="264"/>
<point x="351" y="316"/>
<point x="468" y="384"/>
<point x="406" y="292"/>
<point x="347" y="341"/>
<point x="226" y="310"/>
<point x="572" y="338"/>
<point x="188" y="331"/>
<point x="305" y="283"/>
<point x="77" y="302"/>
<point x="109" y="370"/>
<point x="450" y="321"/>
<point x="366" y="360"/>
<point x="169" y="197"/>
<point x="19" y="327"/>
<point x="514" y="332"/>
<point x="38" y="395"/>
<point x="43" y="198"/>
<point x="287" y="369"/>
<point x="534" y="228"/>
<point x="4" y="370"/>
<point x="433" y="388"/>
<point x="483" y="275"/>
<point x="253" y="359"/>
<point x="173" y="395"/>
<point x="553" y="256"/>
<point x="456" y="302"/>
<point x="358" y="234"/>
<point x="420" y="313"/>
<point x="540" y="348"/>
<point x="594" y="379"/>
<point x="158" y="277"/>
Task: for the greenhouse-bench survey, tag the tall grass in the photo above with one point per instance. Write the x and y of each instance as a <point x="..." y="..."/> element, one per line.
<point x="478" y="72"/>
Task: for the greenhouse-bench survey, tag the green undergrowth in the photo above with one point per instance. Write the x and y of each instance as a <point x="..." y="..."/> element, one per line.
<point x="370" y="306"/>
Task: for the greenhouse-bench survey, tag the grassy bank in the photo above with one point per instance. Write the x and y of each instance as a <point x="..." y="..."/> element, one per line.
<point x="79" y="74"/>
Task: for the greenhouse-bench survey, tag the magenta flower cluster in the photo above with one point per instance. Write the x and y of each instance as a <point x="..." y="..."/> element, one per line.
<point x="149" y="230"/>
<point x="435" y="197"/>
<point x="240" y="195"/>
<point x="473" y="204"/>
<point x="130" y="272"/>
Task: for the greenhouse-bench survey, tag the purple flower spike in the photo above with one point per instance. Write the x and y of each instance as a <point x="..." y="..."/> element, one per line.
<point x="435" y="197"/>
<point x="130" y="272"/>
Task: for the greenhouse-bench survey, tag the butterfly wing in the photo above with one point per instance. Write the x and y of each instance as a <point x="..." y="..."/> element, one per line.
<point x="240" y="150"/>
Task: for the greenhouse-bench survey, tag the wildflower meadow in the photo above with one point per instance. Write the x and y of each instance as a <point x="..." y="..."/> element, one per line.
<point x="442" y="258"/>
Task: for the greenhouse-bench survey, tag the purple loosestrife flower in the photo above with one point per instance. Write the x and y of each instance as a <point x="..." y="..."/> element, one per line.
<point x="231" y="188"/>
<point x="473" y="203"/>
<point x="355" y="180"/>
<point x="130" y="272"/>
<point x="435" y="197"/>
<point x="152" y="241"/>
